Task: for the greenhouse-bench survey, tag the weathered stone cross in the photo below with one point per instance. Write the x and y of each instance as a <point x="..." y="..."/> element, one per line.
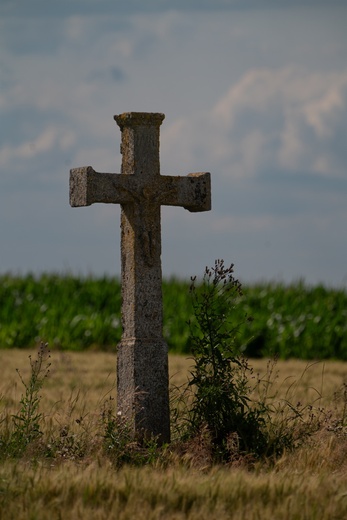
<point x="142" y="359"/>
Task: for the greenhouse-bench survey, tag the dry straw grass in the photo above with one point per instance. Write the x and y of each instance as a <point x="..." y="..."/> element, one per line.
<point x="96" y="491"/>
<point x="308" y="483"/>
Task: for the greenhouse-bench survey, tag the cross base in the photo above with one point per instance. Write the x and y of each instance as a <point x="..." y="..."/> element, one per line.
<point x="143" y="387"/>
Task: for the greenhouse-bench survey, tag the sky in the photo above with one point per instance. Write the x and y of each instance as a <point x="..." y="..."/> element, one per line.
<point x="253" y="91"/>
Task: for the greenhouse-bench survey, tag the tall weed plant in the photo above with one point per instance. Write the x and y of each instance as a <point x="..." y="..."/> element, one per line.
<point x="222" y="387"/>
<point x="27" y="422"/>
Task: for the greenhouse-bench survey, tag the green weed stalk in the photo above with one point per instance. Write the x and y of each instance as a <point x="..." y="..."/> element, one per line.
<point x="27" y="422"/>
<point x="240" y="418"/>
<point x="219" y="378"/>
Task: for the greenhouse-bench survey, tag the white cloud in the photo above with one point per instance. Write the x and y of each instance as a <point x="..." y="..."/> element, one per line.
<point x="51" y="138"/>
<point x="271" y="120"/>
<point x="320" y="112"/>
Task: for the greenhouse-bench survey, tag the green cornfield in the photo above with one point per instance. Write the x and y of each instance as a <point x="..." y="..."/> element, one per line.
<point x="75" y="313"/>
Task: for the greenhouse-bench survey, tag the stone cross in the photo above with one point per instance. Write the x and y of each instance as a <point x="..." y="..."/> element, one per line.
<point x="142" y="358"/>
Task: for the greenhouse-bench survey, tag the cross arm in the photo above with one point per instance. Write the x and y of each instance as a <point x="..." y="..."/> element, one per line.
<point x="193" y="191"/>
<point x="88" y="186"/>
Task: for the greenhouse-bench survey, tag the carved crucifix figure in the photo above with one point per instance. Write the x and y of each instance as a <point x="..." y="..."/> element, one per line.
<point x="142" y="357"/>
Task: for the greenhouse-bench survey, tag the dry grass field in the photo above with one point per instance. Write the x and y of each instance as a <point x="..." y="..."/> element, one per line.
<point x="307" y="483"/>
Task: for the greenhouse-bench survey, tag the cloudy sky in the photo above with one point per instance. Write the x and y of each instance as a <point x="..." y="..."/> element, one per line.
<point x="254" y="91"/>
